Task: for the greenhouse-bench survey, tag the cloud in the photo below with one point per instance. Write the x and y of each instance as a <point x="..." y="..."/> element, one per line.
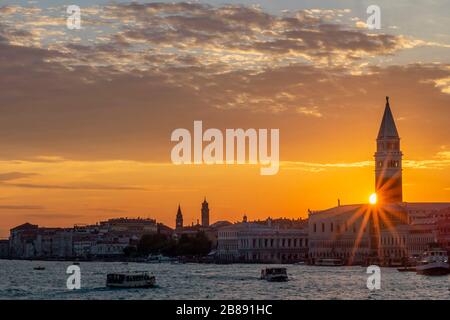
<point x="319" y="167"/>
<point x="115" y="96"/>
<point x="52" y="216"/>
<point x="15" y="175"/>
<point x="73" y="187"/>
<point x="440" y="161"/>
<point x="20" y="207"/>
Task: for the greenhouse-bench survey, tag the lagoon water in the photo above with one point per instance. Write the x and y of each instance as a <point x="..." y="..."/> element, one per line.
<point x="18" y="280"/>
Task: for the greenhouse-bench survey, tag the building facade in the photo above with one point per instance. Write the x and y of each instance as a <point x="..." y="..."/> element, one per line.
<point x="4" y="248"/>
<point x="251" y="242"/>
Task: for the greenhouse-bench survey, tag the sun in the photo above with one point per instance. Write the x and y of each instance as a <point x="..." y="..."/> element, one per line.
<point x="373" y="198"/>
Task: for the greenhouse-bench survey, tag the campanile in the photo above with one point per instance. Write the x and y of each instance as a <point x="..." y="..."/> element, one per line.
<point x="388" y="160"/>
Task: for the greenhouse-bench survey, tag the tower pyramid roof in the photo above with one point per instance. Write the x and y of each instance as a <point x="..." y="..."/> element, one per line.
<point x="388" y="128"/>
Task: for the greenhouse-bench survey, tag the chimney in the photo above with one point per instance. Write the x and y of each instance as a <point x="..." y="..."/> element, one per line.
<point x="339" y="202"/>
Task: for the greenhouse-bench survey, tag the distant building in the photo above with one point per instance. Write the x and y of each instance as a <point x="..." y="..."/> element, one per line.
<point x="163" y="229"/>
<point x="22" y="240"/>
<point x="443" y="228"/>
<point x="205" y="214"/>
<point x="252" y="242"/>
<point x="105" y="239"/>
<point x="53" y="243"/>
<point x="4" y="248"/>
<point x="137" y="226"/>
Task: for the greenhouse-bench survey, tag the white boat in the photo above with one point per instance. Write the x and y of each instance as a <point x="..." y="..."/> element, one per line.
<point x="329" y="262"/>
<point x="274" y="274"/>
<point x="130" y="280"/>
<point x="159" y="259"/>
<point x="434" y="262"/>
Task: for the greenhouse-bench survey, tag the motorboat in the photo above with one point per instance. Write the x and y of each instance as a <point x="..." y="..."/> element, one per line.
<point x="434" y="262"/>
<point x="329" y="262"/>
<point x="274" y="274"/>
<point x="159" y="259"/>
<point x="130" y="280"/>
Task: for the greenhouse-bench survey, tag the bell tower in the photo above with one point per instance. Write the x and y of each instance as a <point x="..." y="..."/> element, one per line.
<point x="179" y="219"/>
<point x="388" y="160"/>
<point x="205" y="214"/>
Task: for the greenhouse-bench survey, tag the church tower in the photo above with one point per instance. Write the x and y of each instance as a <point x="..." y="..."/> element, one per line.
<point x="179" y="220"/>
<point x="205" y="214"/>
<point x="388" y="161"/>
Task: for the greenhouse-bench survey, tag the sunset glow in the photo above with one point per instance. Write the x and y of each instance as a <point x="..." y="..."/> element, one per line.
<point x="87" y="115"/>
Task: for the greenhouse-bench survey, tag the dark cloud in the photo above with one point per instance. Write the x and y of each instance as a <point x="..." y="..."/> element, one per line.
<point x="248" y="29"/>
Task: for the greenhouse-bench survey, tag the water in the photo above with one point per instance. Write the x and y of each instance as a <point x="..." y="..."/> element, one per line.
<point x="18" y="280"/>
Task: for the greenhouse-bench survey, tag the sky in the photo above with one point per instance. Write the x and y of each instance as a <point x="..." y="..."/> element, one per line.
<point x="87" y="115"/>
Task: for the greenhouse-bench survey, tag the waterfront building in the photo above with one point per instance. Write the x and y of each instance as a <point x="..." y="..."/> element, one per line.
<point x="386" y="232"/>
<point x="443" y="228"/>
<point x="253" y="242"/>
<point x="22" y="240"/>
<point x="108" y="249"/>
<point x="4" y="248"/>
<point x="53" y="243"/>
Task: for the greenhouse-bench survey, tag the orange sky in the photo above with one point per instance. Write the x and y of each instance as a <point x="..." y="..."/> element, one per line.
<point x="87" y="115"/>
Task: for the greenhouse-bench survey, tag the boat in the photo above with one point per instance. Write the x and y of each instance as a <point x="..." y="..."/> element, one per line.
<point x="299" y="263"/>
<point x="329" y="262"/>
<point x="159" y="259"/>
<point x="130" y="280"/>
<point x="274" y="274"/>
<point x="434" y="262"/>
<point x="39" y="268"/>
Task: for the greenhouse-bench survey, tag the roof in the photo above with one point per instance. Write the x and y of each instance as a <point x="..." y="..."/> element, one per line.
<point x="426" y="205"/>
<point x="340" y="209"/>
<point x="25" y="226"/>
<point x="388" y="128"/>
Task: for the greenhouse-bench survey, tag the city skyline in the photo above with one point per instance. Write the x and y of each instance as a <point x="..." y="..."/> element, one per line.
<point x="87" y="114"/>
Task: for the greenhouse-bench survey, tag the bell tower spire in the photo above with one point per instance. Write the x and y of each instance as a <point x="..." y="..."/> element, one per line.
<point x="179" y="219"/>
<point x="388" y="160"/>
